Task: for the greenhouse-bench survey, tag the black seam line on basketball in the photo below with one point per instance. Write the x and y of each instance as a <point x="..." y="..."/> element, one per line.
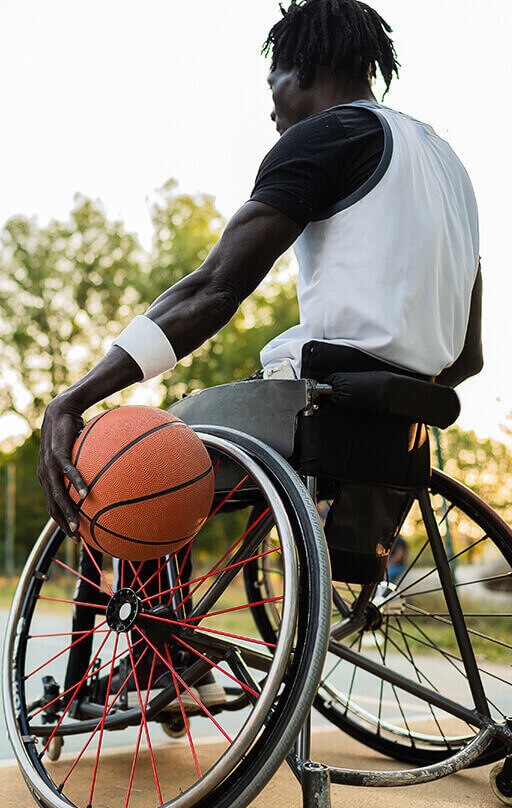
<point x="136" y="541"/>
<point x="127" y="538"/>
<point x="145" y="498"/>
<point x="84" y="435"/>
<point x="123" y="451"/>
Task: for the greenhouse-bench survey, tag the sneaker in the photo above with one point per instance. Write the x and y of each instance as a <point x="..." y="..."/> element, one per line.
<point x="207" y="690"/>
<point x="188" y="701"/>
<point x="210" y="692"/>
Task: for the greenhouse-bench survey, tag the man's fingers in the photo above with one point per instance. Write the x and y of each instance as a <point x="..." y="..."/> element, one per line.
<point x="64" y="502"/>
<point x="53" y="509"/>
<point x="75" y="478"/>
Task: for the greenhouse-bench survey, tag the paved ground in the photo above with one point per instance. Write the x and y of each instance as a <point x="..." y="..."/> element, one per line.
<point x="468" y="790"/>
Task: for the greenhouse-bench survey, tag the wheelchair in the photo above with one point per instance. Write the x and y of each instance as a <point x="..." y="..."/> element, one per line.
<point x="414" y="668"/>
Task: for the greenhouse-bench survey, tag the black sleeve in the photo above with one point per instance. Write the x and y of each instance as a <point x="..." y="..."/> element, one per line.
<point x="318" y="162"/>
<point x="296" y="176"/>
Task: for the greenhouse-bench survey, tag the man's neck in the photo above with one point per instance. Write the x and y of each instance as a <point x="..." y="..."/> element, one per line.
<point x="330" y="92"/>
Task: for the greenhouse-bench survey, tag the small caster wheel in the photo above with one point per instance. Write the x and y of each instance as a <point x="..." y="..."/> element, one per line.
<point x="501" y="786"/>
<point x="174" y="729"/>
<point x="54" y="748"/>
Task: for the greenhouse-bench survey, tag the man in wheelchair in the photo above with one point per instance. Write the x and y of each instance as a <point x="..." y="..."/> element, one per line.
<point x="384" y="224"/>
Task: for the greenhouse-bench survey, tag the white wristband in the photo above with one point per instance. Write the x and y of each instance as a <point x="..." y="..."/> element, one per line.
<point x="147" y="344"/>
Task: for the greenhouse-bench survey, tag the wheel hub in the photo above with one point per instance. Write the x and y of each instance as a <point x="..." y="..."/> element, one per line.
<point x="123" y="610"/>
<point x="387" y="601"/>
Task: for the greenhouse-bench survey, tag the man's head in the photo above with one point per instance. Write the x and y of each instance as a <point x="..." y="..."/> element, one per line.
<point x="326" y="52"/>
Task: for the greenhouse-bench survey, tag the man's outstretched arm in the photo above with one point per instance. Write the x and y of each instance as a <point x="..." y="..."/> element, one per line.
<point x="188" y="314"/>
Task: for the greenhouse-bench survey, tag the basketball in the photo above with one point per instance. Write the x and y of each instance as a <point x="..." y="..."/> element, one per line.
<point x="150" y="483"/>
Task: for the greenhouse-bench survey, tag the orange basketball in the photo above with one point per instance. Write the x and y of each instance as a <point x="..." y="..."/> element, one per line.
<point x="150" y="483"/>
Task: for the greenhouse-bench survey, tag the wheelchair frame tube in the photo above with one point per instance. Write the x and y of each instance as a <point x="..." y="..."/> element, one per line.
<point x="414" y="777"/>
<point x="409" y="686"/>
<point x="453" y="603"/>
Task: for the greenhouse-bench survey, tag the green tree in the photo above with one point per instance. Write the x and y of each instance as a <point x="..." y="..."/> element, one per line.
<point x="62" y="289"/>
<point x="68" y="288"/>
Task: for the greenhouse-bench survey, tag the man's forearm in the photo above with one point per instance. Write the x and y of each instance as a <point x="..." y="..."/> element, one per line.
<point x="114" y="372"/>
<point x="195" y="309"/>
<point x="460" y="371"/>
<point x="199" y="318"/>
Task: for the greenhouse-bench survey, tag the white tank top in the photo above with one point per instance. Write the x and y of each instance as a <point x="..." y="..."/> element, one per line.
<point x="391" y="269"/>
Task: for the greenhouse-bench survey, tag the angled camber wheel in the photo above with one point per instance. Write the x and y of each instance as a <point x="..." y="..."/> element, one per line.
<point x="411" y="632"/>
<point x="149" y="640"/>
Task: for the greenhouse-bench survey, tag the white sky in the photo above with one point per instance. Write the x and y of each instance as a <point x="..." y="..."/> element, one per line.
<point x="112" y="98"/>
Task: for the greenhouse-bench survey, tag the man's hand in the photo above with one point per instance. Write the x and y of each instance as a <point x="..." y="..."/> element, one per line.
<point x="61" y="426"/>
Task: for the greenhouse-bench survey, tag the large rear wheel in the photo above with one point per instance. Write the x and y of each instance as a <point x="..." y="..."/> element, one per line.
<point x="146" y="642"/>
<point x="410" y="630"/>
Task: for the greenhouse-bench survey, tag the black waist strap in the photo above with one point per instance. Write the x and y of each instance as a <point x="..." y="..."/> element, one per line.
<point x="362" y="383"/>
<point x="320" y="359"/>
<point x="392" y="394"/>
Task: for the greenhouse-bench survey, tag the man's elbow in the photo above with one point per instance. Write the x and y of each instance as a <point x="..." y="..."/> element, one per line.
<point x="225" y="299"/>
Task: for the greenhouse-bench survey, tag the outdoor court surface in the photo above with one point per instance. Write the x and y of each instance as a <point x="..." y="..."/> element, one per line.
<point x="467" y="790"/>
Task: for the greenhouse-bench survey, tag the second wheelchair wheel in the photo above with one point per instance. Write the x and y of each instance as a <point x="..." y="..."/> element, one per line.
<point x="98" y="671"/>
<point x="409" y="630"/>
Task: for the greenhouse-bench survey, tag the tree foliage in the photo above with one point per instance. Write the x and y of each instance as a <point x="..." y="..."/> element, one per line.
<point x="68" y="288"/>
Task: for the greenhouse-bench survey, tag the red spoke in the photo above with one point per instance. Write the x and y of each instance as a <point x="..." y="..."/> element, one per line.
<point x="137" y="746"/>
<point x="209" y="630"/>
<point x="233" y="636"/>
<point x="160" y="568"/>
<point x="75" y="642"/>
<point x="122" y="573"/>
<point x="79" y="575"/>
<point x="233" y="547"/>
<point x="216" y="469"/>
<point x="146" y="728"/>
<point x="136" y="576"/>
<point x="180" y="572"/>
<point x="100" y="740"/>
<point x="220" y="669"/>
<point x="77" y="688"/>
<point x="73" y="602"/>
<point x="89" y="551"/>
<point x="95" y="730"/>
<point x="215" y="572"/>
<point x="184" y="715"/>
<point x="89" y="676"/>
<point x="199" y="702"/>
<point x="196" y="699"/>
<point x="233" y="609"/>
<point x="227" y="497"/>
<point x="66" y="633"/>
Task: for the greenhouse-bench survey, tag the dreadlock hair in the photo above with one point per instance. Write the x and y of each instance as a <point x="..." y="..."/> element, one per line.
<point x="344" y="35"/>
